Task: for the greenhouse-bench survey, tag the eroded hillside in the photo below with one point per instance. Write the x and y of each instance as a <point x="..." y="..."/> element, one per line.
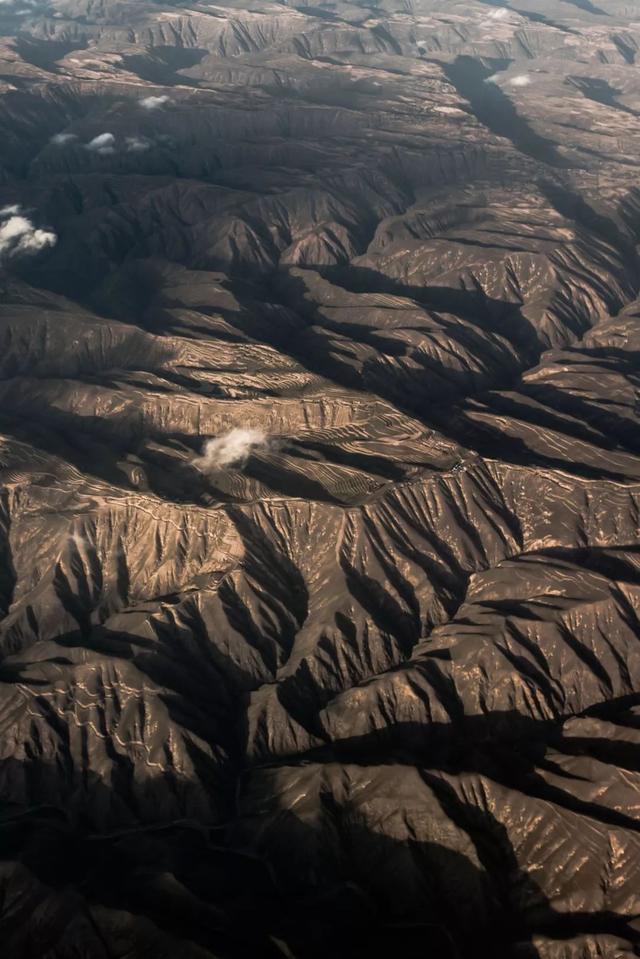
<point x="320" y="479"/>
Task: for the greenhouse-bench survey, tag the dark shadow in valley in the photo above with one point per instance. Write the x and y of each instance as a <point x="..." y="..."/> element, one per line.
<point x="489" y="440"/>
<point x="483" y="312"/>
<point x="599" y="91"/>
<point x="495" y="110"/>
<point x="573" y="207"/>
<point x="588" y="7"/>
<point x="164" y="65"/>
<point x="595" y="422"/>
<point x="428" y="389"/>
<point x="507" y="747"/>
<point x="45" y="54"/>
<point x="423" y="396"/>
<point x="626" y="45"/>
<point x="244" y="886"/>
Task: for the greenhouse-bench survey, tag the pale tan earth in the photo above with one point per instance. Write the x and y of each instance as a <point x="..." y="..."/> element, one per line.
<point x="373" y="688"/>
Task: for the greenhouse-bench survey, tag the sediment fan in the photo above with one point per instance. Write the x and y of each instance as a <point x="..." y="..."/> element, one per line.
<point x="319" y="479"/>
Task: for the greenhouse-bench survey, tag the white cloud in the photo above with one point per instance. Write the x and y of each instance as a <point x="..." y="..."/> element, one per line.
<point x="20" y="6"/>
<point x="60" y="139"/>
<point x="152" y="103"/>
<point x="19" y="235"/>
<point x="104" y="144"/>
<point x="499" y="14"/>
<point x="522" y="80"/>
<point x="231" y="449"/>
<point x="137" y="144"/>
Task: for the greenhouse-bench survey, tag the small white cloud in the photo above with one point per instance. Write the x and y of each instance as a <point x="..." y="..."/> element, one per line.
<point x="137" y="144"/>
<point x="61" y="139"/>
<point x="104" y="144"/>
<point x="10" y="210"/>
<point x="152" y="103"/>
<point x="231" y="449"/>
<point x="493" y="78"/>
<point x="19" y="235"/>
<point x="522" y="80"/>
<point x="499" y="14"/>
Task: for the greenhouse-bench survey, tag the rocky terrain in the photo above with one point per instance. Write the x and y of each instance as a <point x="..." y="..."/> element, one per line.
<point x="320" y="479"/>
